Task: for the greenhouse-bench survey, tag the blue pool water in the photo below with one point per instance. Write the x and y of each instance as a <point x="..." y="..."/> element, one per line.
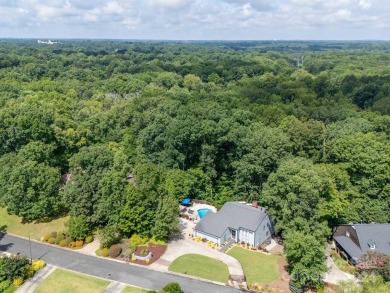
<point x="203" y="212"/>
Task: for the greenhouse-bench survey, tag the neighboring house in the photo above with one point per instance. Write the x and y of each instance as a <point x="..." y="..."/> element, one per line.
<point x="239" y="221"/>
<point x="351" y="241"/>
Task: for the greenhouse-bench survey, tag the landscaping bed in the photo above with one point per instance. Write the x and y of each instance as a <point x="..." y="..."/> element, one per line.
<point x="157" y="251"/>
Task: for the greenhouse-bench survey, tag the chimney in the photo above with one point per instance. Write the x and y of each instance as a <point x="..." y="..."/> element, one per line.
<point x="254" y="204"/>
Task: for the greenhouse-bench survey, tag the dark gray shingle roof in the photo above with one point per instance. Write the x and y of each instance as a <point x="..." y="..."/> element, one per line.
<point x="349" y="246"/>
<point x="367" y="234"/>
<point x="374" y="233"/>
<point x="232" y="215"/>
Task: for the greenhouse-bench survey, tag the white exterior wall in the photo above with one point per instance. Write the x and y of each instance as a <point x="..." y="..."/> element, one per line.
<point x="208" y="237"/>
<point x="261" y="234"/>
<point x="246" y="236"/>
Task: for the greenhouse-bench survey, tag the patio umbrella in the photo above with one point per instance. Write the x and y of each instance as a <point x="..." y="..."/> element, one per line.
<point x="186" y="201"/>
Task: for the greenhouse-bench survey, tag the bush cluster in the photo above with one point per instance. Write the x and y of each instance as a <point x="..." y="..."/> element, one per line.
<point x="79" y="243"/>
<point x="105" y="252"/>
<point x="88" y="239"/>
<point x="52" y="240"/>
<point x="59" y="238"/>
<point x="115" y="250"/>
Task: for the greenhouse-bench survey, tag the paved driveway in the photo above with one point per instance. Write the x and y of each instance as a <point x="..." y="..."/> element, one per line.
<point x="184" y="245"/>
<point x="104" y="268"/>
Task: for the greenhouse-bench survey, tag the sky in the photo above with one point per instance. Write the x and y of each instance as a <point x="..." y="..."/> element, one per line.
<point x="196" y="19"/>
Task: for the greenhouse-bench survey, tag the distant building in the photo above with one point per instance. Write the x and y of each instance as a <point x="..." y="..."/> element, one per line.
<point x="238" y="221"/>
<point x="351" y="241"/>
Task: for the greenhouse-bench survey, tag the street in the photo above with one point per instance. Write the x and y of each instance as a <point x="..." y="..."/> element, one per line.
<point x="104" y="268"/>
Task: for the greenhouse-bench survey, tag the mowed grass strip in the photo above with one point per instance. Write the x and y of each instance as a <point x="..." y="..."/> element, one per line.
<point x="61" y="281"/>
<point x="200" y="266"/>
<point x="257" y="266"/>
<point x="15" y="226"/>
<point x="131" y="289"/>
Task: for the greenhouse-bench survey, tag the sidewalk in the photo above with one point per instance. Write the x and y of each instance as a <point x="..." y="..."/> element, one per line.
<point x="30" y="285"/>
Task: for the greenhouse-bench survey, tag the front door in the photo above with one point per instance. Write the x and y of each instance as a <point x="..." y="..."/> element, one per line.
<point x="234" y="235"/>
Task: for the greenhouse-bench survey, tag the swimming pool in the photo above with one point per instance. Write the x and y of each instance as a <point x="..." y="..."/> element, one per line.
<point x="203" y="212"/>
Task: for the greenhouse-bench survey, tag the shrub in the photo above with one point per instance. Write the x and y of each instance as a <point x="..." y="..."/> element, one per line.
<point x="78" y="228"/>
<point x="68" y="240"/>
<point x="144" y="252"/>
<point x="88" y="239"/>
<point x="59" y="238"/>
<point x="62" y="243"/>
<point x="46" y="237"/>
<point x="52" y="240"/>
<point x="137" y="240"/>
<point x="147" y="260"/>
<point x="79" y="243"/>
<point x="133" y="259"/>
<point x="172" y="288"/>
<point x="115" y="250"/>
<point x="37" y="264"/>
<point x="72" y="244"/>
<point x="5" y="286"/>
<point x="105" y="252"/>
<point x="18" y="281"/>
<point x="108" y="236"/>
<point x="98" y="252"/>
<point x="53" y="234"/>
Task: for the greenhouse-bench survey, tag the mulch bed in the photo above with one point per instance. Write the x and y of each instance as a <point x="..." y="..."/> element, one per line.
<point x="156" y="250"/>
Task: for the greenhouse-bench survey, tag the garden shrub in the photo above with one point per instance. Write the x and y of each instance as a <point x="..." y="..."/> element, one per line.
<point x="46" y="237"/>
<point x="13" y="267"/>
<point x="98" y="252"/>
<point x="137" y="240"/>
<point x="62" y="243"/>
<point x="79" y="243"/>
<point x="18" y="281"/>
<point x="59" y="238"/>
<point x="37" y="264"/>
<point x="68" y="240"/>
<point x="115" y="250"/>
<point x="172" y="288"/>
<point x="78" y="228"/>
<point x="52" y="240"/>
<point x="144" y="252"/>
<point x="72" y="244"/>
<point x="5" y="286"/>
<point x="147" y="260"/>
<point x="88" y="239"/>
<point x="108" y="236"/>
<point x="53" y="234"/>
<point x="105" y="252"/>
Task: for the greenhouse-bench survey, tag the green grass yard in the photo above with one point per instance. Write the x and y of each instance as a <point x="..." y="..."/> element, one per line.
<point x="200" y="266"/>
<point x="131" y="289"/>
<point x="15" y="226"/>
<point x="61" y="281"/>
<point x="257" y="266"/>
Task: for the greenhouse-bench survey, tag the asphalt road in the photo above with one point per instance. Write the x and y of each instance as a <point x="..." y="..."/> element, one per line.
<point x="132" y="275"/>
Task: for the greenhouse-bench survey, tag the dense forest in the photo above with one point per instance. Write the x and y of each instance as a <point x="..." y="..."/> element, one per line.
<point x="115" y="133"/>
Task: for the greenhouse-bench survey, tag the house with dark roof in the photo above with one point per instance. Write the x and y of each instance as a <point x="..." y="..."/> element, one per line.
<point x="352" y="241"/>
<point x="238" y="221"/>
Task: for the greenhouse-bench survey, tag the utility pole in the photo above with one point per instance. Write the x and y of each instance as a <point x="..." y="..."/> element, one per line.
<point x="29" y="242"/>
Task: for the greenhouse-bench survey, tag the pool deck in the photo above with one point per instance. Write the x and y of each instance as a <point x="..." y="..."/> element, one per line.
<point x="195" y="207"/>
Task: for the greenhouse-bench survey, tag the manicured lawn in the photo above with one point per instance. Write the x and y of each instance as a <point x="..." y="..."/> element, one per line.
<point x="61" y="281"/>
<point x="200" y="266"/>
<point x="257" y="266"/>
<point x="35" y="230"/>
<point x="131" y="289"/>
